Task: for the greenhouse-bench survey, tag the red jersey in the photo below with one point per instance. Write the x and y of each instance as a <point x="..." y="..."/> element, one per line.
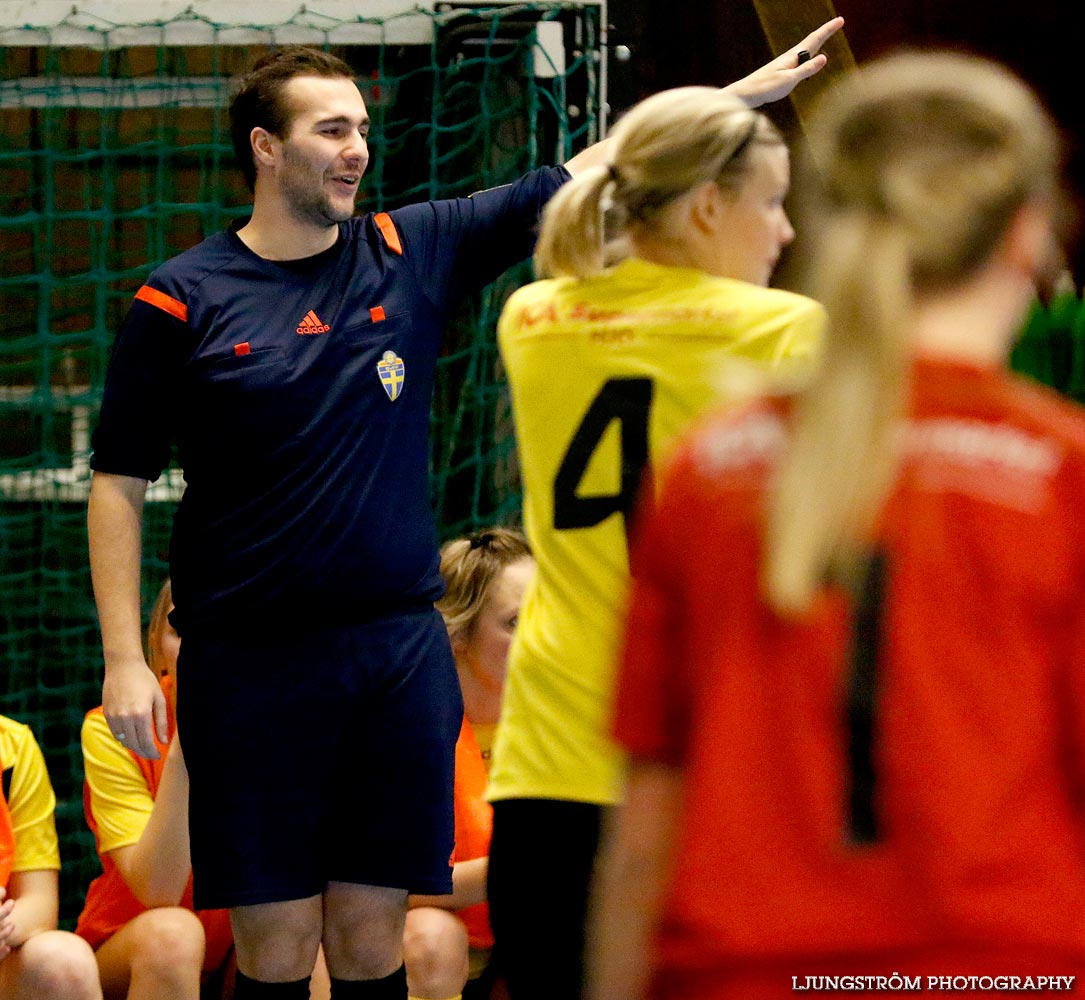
<point x="978" y="863"/>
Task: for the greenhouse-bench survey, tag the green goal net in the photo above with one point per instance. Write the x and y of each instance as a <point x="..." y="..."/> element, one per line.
<point x="115" y="155"/>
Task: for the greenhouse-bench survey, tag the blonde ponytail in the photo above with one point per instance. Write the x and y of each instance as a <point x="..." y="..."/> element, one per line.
<point x="842" y="455"/>
<point x="572" y="240"/>
<point x="924" y="160"/>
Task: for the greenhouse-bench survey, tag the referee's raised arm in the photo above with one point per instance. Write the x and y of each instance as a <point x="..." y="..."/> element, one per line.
<point x="771" y="82"/>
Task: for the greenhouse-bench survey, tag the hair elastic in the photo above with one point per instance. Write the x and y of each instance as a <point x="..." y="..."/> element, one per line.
<point x="482" y="540"/>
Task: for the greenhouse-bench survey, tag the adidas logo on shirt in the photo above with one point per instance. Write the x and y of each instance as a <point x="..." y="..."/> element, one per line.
<point x="311" y="324"/>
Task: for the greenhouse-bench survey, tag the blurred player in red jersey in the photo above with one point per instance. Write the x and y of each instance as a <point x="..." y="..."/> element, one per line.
<point x="854" y="674"/>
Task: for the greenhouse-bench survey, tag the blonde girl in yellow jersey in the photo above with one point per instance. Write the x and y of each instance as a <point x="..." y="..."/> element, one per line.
<point x="660" y="261"/>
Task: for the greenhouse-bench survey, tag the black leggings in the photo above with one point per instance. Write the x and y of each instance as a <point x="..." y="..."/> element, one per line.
<point x="541" y="860"/>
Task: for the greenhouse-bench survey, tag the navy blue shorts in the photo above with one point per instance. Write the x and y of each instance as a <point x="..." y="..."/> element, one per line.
<point x="319" y="757"/>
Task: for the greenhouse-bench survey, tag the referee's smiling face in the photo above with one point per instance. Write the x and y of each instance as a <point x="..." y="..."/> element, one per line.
<point x="324" y="154"/>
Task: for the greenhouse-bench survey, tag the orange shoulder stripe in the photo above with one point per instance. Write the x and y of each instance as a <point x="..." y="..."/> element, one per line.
<point x="388" y="231"/>
<point x="163" y="301"/>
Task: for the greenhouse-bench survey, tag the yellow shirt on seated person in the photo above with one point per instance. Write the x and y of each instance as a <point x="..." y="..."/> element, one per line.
<point x="30" y="799"/>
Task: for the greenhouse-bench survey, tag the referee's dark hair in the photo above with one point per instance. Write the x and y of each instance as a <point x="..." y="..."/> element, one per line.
<point x="258" y="96"/>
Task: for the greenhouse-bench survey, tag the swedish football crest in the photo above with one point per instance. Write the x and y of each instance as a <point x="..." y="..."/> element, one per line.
<point x="391" y="370"/>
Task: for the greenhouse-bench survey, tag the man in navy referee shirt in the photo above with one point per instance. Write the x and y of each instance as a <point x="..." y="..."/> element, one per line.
<point x="291" y="360"/>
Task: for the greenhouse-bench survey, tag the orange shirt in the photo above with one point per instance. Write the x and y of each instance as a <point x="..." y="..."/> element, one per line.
<point x="979" y="723"/>
<point x="110" y="904"/>
<point x="474" y="827"/>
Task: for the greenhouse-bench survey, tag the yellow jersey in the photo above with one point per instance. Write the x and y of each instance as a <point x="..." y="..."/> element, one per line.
<point x="30" y="799"/>
<point x="604" y="374"/>
<point x="117" y="792"/>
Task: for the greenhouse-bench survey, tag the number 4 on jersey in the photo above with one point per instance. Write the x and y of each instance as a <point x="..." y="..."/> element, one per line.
<point x="629" y="401"/>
